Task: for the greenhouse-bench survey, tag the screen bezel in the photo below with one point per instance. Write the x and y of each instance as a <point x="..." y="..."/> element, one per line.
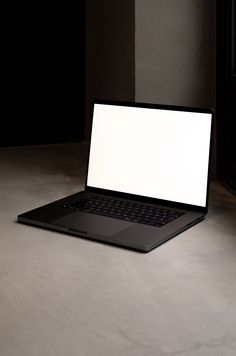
<point x="142" y="198"/>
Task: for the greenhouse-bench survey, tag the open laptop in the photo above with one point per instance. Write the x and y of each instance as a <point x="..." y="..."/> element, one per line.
<point x="147" y="177"/>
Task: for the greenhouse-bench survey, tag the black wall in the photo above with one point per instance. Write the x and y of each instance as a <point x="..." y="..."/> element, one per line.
<point x="226" y="93"/>
<point x="45" y="72"/>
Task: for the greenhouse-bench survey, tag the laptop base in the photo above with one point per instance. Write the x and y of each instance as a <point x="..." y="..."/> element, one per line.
<point x="135" y="236"/>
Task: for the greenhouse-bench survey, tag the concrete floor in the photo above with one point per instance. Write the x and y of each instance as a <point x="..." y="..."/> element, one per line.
<point x="61" y="295"/>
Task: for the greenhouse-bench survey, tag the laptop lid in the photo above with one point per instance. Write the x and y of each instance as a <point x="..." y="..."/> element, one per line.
<point x="151" y="151"/>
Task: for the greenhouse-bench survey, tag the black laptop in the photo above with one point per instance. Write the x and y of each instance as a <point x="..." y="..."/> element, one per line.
<point x="147" y="177"/>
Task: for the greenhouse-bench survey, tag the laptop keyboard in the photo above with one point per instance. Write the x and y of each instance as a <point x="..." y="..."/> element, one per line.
<point x="125" y="210"/>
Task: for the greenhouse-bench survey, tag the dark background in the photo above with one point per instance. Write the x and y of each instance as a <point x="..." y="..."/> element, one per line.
<point x="45" y="72"/>
<point x="57" y="59"/>
<point x="226" y="93"/>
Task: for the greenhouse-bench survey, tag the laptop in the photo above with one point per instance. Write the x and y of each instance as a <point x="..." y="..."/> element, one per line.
<point x="147" y="177"/>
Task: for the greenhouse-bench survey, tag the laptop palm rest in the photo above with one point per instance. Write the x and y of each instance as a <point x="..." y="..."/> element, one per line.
<point x="85" y="223"/>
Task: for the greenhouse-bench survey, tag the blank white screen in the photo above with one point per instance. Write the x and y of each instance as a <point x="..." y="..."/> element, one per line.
<point x="150" y="152"/>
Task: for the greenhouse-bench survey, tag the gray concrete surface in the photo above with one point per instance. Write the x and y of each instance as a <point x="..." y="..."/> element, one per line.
<point x="61" y="295"/>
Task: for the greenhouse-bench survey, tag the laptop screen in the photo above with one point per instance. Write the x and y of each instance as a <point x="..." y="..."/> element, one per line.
<point x="151" y="152"/>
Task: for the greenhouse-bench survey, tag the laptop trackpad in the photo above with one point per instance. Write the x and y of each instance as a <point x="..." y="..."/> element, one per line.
<point x="86" y="223"/>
